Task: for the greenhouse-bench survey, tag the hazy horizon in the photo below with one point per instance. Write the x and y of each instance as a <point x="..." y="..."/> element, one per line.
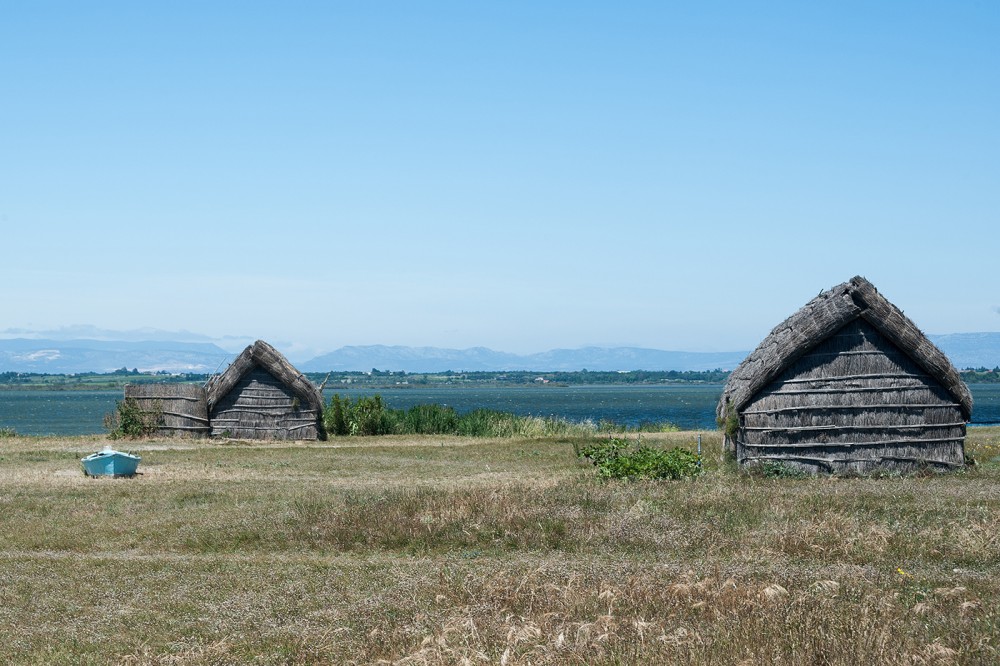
<point x="234" y="344"/>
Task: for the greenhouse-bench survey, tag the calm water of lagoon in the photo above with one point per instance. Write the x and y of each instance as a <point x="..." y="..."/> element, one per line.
<point x="689" y="406"/>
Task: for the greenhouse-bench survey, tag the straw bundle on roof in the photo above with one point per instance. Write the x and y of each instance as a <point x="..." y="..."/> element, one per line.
<point x="847" y="384"/>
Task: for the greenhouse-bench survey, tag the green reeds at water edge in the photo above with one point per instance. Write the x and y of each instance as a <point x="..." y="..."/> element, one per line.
<point x="369" y="416"/>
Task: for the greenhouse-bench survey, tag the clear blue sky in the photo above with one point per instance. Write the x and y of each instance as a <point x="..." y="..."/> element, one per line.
<point x="516" y="175"/>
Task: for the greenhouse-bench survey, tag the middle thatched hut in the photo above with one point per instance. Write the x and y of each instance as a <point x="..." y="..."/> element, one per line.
<point x="847" y="384"/>
<point x="262" y="396"/>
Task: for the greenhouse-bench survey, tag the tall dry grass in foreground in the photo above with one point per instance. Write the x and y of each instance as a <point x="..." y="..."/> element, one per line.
<point x="439" y="550"/>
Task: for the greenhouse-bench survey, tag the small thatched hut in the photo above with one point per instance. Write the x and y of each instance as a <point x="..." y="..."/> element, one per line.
<point x="847" y="384"/>
<point x="262" y="396"/>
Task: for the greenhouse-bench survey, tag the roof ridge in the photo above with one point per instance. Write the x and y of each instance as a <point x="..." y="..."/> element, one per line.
<point x="820" y="318"/>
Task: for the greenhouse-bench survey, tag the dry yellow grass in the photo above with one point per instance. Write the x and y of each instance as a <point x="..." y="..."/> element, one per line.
<point x="447" y="550"/>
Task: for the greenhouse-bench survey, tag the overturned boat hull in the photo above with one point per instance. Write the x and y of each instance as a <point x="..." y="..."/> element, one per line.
<point x="110" y="463"/>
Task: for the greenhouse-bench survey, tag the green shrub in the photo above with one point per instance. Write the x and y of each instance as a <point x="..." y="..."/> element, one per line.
<point x="7" y="433"/>
<point x="334" y="418"/>
<point x="487" y="423"/>
<point x="130" y="421"/>
<point x="601" y="453"/>
<point x="429" y="420"/>
<point x="369" y="416"/>
<point x="729" y="422"/>
<point x="617" y="459"/>
<point x="776" y="469"/>
<point x="490" y="423"/>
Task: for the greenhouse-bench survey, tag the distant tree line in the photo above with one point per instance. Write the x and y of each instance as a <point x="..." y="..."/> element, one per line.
<point x="981" y="376"/>
<point x="383" y="378"/>
<point x="92" y="380"/>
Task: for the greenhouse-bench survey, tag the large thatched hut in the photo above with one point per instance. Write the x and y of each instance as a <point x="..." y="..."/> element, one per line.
<point x="262" y="396"/>
<point x="847" y="384"/>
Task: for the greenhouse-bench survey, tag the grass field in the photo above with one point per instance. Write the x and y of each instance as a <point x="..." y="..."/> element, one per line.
<point x="443" y="550"/>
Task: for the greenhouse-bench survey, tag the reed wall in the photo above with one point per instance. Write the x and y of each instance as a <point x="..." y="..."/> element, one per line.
<point x="182" y="408"/>
<point x="260" y="406"/>
<point x="854" y="403"/>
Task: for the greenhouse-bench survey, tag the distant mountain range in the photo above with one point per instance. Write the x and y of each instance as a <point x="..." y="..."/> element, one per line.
<point x="966" y="350"/>
<point x="970" y="350"/>
<point x="433" y="359"/>
<point x="77" y="356"/>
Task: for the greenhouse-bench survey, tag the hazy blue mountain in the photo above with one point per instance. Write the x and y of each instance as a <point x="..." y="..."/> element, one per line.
<point x="89" y="332"/>
<point x="411" y="359"/>
<point x="970" y="350"/>
<point x="433" y="359"/>
<point x="966" y="350"/>
<point x="74" y="356"/>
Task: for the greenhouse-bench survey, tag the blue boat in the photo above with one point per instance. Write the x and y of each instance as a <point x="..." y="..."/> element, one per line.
<point x="110" y="463"/>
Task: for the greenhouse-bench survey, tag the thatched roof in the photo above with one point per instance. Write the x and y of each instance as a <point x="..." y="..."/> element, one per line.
<point x="822" y="317"/>
<point x="260" y="354"/>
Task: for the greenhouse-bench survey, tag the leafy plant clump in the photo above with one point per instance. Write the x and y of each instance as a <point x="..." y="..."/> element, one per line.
<point x="130" y="421"/>
<point x="334" y="417"/>
<point x="618" y="459"/>
<point x="729" y="422"/>
<point x="7" y="433"/>
<point x="368" y="416"/>
<point x="365" y="417"/>
<point x="779" y="470"/>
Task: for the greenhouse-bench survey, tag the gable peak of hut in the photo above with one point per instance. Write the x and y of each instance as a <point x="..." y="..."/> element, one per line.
<point x="262" y="355"/>
<point x="819" y="319"/>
